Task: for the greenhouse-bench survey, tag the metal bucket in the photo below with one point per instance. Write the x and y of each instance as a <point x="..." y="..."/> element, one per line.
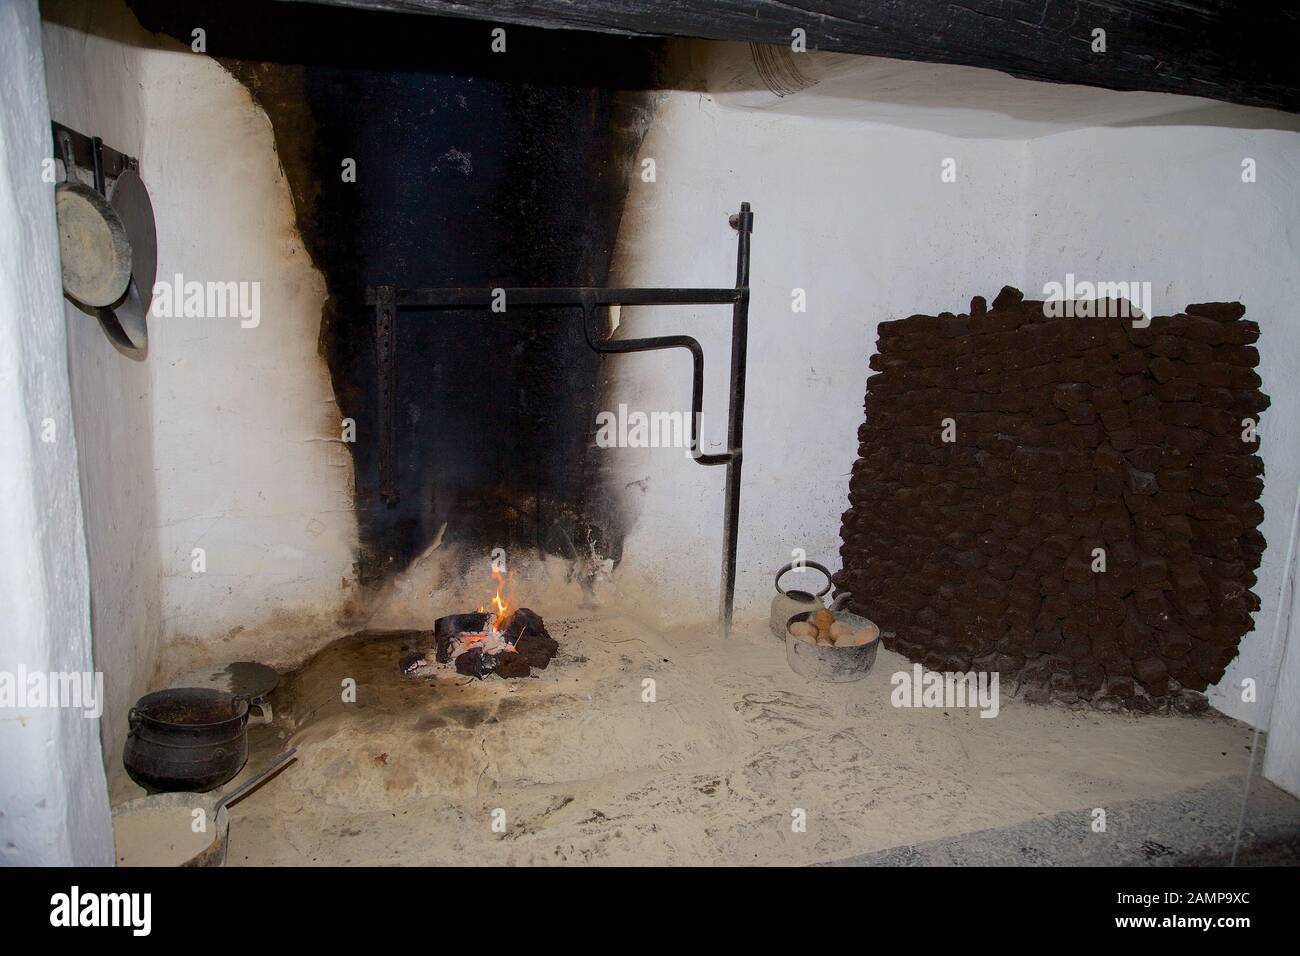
<point x="826" y="662"/>
<point x="218" y="824"/>
<point x="181" y="807"/>
<point x="786" y="603"/>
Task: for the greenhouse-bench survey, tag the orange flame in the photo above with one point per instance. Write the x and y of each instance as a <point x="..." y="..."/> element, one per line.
<point x="499" y="602"/>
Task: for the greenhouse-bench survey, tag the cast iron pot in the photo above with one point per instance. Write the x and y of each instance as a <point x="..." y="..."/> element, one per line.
<point x="186" y="738"/>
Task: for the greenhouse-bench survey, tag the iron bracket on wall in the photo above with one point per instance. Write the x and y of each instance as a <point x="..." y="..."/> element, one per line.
<point x="388" y="301"/>
<point x="90" y="153"/>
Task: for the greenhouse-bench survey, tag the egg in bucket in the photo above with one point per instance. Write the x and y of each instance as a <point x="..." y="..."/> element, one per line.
<point x="831" y="644"/>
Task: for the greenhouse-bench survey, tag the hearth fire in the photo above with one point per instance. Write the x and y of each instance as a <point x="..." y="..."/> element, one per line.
<point x="501" y="641"/>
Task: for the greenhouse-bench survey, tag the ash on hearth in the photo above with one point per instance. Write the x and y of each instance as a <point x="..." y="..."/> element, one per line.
<point x="475" y="646"/>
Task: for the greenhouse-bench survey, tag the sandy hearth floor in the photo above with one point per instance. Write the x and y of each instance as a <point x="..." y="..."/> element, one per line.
<point x="579" y="768"/>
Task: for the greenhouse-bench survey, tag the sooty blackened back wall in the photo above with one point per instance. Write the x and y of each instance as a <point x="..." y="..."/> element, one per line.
<point x="473" y="168"/>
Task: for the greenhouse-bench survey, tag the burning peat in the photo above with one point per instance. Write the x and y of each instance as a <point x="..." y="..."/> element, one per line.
<point x="483" y="643"/>
<point x="499" y="641"/>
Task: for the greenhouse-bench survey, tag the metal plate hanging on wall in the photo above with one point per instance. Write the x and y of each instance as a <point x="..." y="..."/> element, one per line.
<point x="126" y="321"/>
<point x="93" y="246"/>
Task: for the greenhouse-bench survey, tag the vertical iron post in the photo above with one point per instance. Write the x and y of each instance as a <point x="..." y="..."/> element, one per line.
<point x="743" y="223"/>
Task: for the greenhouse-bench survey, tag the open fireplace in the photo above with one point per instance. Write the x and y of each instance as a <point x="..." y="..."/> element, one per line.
<point x="364" y="356"/>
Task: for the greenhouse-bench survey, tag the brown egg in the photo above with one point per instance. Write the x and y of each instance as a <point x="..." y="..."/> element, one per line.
<point x="823" y="619"/>
<point x="868" y="633"/>
<point x="803" y="630"/>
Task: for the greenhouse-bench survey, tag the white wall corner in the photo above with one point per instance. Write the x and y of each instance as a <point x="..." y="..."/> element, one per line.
<point x="1282" y="755"/>
<point x="53" y="796"/>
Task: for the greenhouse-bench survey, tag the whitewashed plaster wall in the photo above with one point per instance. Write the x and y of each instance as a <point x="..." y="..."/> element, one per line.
<point x="1167" y="205"/>
<point x="1282" y="756"/>
<point x="53" y="798"/>
<point x="93" y="87"/>
<point x="226" y="438"/>
<point x="247" y="434"/>
<point x="854" y="212"/>
<point x="858" y="217"/>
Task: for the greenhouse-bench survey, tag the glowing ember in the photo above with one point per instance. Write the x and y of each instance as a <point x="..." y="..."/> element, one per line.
<point x="490" y="642"/>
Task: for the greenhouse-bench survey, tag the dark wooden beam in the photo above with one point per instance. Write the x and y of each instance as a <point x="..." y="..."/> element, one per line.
<point x="1221" y="49"/>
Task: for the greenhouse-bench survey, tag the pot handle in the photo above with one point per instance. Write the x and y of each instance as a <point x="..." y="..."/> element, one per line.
<point x="134" y="718"/>
<point x="264" y="709"/>
<point x="227" y="798"/>
<point x="808" y="564"/>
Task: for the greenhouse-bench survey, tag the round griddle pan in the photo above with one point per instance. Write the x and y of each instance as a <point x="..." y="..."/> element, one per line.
<point x="125" y="321"/>
<point x="94" y="249"/>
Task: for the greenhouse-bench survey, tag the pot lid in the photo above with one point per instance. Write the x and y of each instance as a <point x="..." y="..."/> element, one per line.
<point x="244" y="678"/>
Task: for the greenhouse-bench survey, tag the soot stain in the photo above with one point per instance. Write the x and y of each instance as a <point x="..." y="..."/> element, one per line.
<point x="473" y="168"/>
